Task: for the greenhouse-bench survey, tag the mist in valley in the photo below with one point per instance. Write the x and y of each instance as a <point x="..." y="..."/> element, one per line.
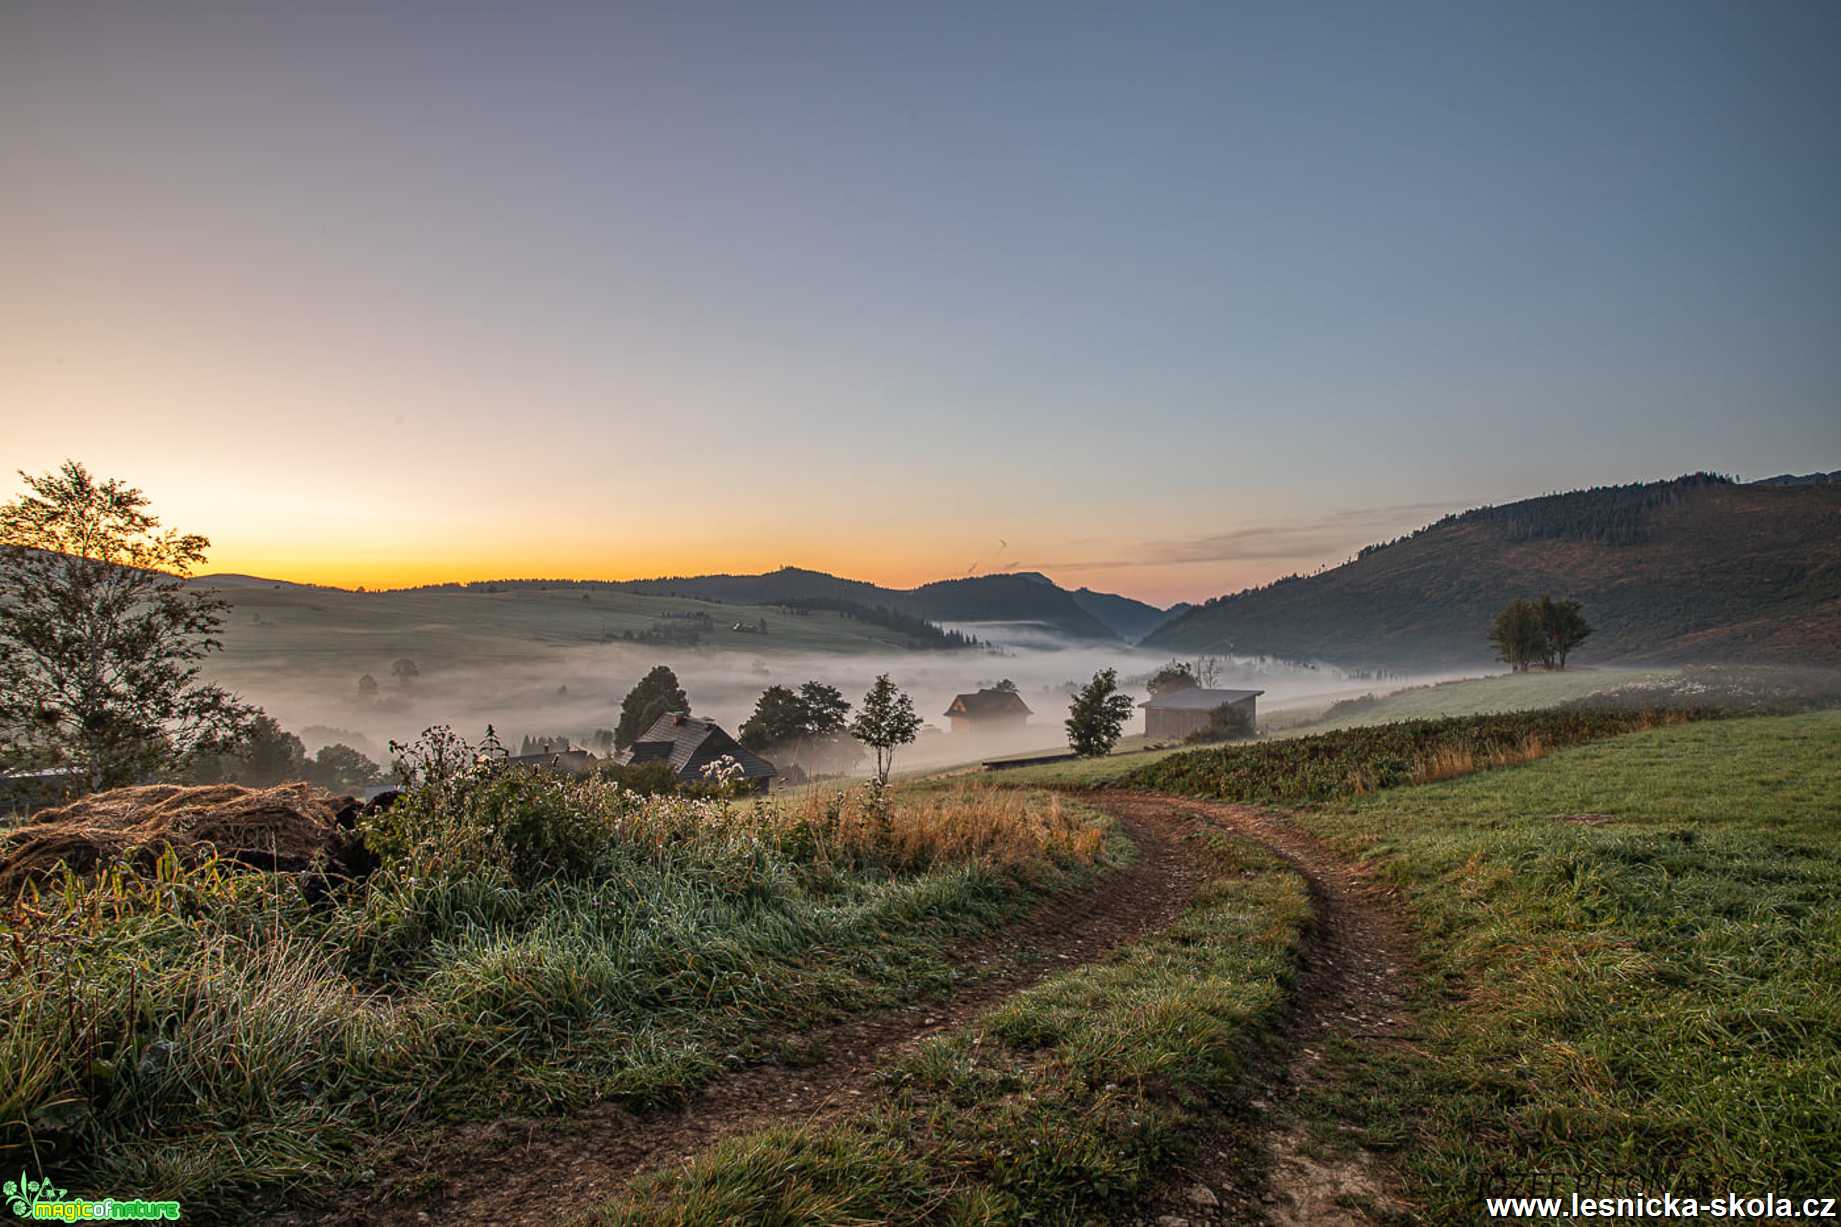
<point x="574" y="691"/>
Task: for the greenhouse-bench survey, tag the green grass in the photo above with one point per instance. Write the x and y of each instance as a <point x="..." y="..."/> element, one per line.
<point x="530" y="945"/>
<point x="332" y="631"/>
<point x="1292" y="771"/>
<point x="1067" y="1103"/>
<point x="1655" y="989"/>
<point x="1474" y="696"/>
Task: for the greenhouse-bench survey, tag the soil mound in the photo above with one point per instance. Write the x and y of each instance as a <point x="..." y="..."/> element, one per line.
<point x="283" y="828"/>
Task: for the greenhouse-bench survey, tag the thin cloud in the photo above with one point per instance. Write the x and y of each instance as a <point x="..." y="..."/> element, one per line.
<point x="1324" y="536"/>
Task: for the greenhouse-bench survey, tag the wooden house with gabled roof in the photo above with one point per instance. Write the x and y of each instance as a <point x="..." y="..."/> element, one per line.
<point x="985" y="710"/>
<point x="691" y="746"/>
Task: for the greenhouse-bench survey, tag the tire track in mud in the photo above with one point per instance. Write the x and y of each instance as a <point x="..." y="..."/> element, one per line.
<point x="1355" y="972"/>
<point x="520" y="1172"/>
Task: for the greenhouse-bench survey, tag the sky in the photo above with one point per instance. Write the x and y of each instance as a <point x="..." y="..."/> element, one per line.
<point x="1163" y="299"/>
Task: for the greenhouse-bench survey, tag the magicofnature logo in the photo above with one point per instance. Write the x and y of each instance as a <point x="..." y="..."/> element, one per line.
<point x="40" y="1199"/>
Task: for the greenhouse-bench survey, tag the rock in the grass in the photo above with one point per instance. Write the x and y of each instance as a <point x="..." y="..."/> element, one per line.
<point x="1172" y="1220"/>
<point x="1202" y="1195"/>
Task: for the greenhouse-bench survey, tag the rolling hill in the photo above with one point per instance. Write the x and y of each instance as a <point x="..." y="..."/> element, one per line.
<point x="1695" y="569"/>
<point x="1024" y="596"/>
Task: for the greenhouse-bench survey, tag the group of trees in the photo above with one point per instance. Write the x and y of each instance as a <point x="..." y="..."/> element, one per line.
<point x="267" y="754"/>
<point x="807" y="728"/>
<point x="1203" y="672"/>
<point x="1544" y="632"/>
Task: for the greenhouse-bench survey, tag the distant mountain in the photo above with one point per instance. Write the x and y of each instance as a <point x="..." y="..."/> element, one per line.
<point x="1695" y="569"/>
<point x="1128" y="619"/>
<point x="1807" y="479"/>
<point x="1016" y="597"/>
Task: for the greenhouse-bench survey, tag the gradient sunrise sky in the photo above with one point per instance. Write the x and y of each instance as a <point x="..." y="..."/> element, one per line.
<point x="1165" y="299"/>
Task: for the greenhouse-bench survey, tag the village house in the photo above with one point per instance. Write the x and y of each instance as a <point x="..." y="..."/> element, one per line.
<point x="1197" y="709"/>
<point x="562" y="760"/>
<point x="690" y="745"/>
<point x="986" y="711"/>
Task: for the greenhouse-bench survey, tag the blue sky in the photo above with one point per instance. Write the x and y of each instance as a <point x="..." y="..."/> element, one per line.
<point x="1167" y="299"/>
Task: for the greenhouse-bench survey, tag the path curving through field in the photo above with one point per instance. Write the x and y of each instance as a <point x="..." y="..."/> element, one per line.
<point x="519" y="1172"/>
<point x="1356" y="969"/>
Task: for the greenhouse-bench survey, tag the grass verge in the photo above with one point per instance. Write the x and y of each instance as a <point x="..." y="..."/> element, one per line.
<point x="530" y="943"/>
<point x="1066" y="1103"/>
<point x="1634" y="952"/>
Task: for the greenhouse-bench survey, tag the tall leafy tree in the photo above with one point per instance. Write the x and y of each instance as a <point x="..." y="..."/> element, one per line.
<point x="657" y="693"/>
<point x="779" y="718"/>
<point x="100" y="636"/>
<point x="886" y="722"/>
<point x="340" y="768"/>
<point x="1097" y="716"/>
<point x="1565" y="626"/>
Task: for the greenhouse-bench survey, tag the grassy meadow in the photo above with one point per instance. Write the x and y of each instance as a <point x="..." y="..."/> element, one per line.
<point x="528" y="944"/>
<point x="1632" y="960"/>
<point x="1474" y="696"/>
<point x="333" y="630"/>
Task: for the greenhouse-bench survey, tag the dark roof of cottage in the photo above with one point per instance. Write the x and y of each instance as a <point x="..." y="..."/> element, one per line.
<point x="689" y="744"/>
<point x="988" y="703"/>
<point x="1198" y="698"/>
<point x="574" y="762"/>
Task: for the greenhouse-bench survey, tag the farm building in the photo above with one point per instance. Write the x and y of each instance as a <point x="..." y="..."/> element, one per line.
<point x="690" y="745"/>
<point x="564" y="761"/>
<point x="1184" y="713"/>
<point x="985" y="710"/>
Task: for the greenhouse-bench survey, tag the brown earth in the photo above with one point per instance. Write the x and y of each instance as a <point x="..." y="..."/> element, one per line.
<point x="519" y="1171"/>
<point x="1356" y="968"/>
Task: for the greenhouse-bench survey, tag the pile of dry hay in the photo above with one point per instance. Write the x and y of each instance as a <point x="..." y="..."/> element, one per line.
<point x="282" y="828"/>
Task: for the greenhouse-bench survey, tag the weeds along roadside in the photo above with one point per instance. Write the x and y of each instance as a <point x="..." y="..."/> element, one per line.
<point x="529" y="944"/>
<point x="1070" y="1100"/>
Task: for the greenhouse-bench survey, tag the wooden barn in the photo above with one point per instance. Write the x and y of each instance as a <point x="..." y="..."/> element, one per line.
<point x="986" y="710"/>
<point x="1184" y="713"/>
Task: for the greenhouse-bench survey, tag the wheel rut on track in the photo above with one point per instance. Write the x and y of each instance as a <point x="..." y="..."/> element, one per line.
<point x="517" y="1172"/>
<point x="1356" y="970"/>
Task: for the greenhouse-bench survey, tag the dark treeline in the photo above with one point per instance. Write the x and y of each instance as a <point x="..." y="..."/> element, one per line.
<point x="1608" y="515"/>
<point x="925" y="634"/>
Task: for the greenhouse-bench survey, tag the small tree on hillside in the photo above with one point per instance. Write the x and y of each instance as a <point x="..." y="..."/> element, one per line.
<point x="101" y="635"/>
<point x="886" y="722"/>
<point x="404" y="670"/>
<point x="1518" y="636"/>
<point x="1177" y="675"/>
<point x="1097" y="716"/>
<point x="1565" y="626"/>
<point x="658" y="692"/>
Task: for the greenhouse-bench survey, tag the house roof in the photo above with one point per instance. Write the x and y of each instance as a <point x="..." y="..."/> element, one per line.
<point x="574" y="762"/>
<point x="988" y="703"/>
<point x="689" y="744"/>
<point x="1199" y="698"/>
